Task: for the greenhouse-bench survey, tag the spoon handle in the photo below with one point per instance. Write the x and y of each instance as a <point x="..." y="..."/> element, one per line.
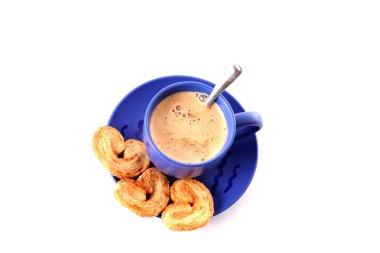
<point x="231" y="73"/>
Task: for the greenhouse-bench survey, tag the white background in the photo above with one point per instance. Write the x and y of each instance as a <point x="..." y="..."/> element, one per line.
<point x="311" y="68"/>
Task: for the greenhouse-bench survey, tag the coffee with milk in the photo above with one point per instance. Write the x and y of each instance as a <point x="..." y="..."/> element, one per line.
<point x="186" y="130"/>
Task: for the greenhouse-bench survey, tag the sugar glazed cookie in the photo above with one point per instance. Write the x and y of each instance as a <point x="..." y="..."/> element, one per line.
<point x="147" y="196"/>
<point x="123" y="159"/>
<point x="193" y="206"/>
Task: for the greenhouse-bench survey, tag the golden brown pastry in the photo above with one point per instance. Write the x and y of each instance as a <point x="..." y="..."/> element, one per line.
<point x="147" y="196"/>
<point x="123" y="159"/>
<point x="193" y="206"/>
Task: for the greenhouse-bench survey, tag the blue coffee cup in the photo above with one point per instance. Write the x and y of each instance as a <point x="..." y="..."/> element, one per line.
<point x="234" y="121"/>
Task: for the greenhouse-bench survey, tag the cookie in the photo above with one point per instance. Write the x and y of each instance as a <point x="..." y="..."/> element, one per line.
<point x="123" y="159"/>
<point x="147" y="196"/>
<point x="193" y="206"/>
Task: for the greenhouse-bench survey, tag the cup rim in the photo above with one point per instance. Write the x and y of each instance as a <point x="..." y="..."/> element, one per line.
<point x="226" y="145"/>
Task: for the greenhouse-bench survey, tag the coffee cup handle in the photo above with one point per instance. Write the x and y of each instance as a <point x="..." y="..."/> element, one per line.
<point x="247" y="123"/>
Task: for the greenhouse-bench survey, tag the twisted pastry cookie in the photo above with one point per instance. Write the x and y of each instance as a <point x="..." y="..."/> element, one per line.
<point x="193" y="206"/>
<point x="109" y="146"/>
<point x="133" y="195"/>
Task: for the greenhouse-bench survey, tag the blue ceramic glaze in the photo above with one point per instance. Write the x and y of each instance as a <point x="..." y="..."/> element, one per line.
<point x="245" y="119"/>
<point x="231" y="177"/>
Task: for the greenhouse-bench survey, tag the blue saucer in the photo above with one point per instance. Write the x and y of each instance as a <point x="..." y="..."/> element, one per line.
<point x="234" y="173"/>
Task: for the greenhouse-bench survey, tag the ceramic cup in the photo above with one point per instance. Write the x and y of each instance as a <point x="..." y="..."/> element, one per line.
<point x="234" y="122"/>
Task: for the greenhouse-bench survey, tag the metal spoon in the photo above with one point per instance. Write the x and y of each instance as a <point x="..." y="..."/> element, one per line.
<point x="232" y="72"/>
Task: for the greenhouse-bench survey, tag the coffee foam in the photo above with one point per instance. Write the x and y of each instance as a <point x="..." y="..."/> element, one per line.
<point x="186" y="130"/>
